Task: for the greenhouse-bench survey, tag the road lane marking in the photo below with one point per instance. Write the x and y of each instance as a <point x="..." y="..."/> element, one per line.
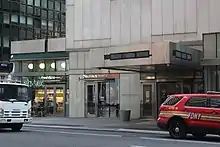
<point x="144" y="131"/>
<point x="137" y="146"/>
<point x="182" y="141"/>
<point x="76" y="133"/>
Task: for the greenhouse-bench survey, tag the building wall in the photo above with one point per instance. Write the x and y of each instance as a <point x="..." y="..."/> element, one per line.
<point x="129" y="22"/>
<point x="33" y="46"/>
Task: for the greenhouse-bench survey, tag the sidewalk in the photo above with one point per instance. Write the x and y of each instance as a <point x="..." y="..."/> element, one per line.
<point x="105" y="123"/>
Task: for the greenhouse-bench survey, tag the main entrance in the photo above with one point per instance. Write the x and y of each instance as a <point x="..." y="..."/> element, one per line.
<point x="102" y="99"/>
<point x="51" y="99"/>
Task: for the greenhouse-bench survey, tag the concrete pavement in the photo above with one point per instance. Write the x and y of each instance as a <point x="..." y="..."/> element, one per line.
<point x="70" y="138"/>
<point x="101" y="123"/>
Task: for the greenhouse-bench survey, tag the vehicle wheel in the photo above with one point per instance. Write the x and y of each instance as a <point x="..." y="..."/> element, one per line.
<point x="16" y="127"/>
<point x="177" y="129"/>
<point x="199" y="135"/>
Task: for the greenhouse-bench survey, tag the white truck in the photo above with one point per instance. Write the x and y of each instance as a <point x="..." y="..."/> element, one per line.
<point x="15" y="100"/>
<point x="15" y="105"/>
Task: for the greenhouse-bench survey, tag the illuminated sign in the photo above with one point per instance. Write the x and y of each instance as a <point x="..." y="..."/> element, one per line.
<point x="127" y="55"/>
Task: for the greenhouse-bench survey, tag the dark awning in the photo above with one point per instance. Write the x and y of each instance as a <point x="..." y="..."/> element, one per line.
<point x="39" y="56"/>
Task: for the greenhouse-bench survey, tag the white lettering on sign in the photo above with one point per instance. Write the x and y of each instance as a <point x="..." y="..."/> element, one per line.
<point x="195" y="116"/>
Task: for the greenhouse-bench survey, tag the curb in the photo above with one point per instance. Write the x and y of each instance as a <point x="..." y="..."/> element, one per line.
<point x="146" y="131"/>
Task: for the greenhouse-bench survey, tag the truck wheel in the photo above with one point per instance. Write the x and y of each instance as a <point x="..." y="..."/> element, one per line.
<point x="177" y="129"/>
<point x="16" y="127"/>
<point x="199" y="135"/>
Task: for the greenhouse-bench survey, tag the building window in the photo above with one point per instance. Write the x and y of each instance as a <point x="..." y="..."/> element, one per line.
<point x="44" y="3"/>
<point x="44" y="14"/>
<point x="6" y="18"/>
<point x="30" y="10"/>
<point x="22" y="34"/>
<point x="50" y="5"/>
<point x="57" y="5"/>
<point x="50" y="25"/>
<point x="57" y="27"/>
<point x="23" y="1"/>
<point x="14" y="18"/>
<point x="30" y="34"/>
<point x="30" y="2"/>
<point x="23" y="8"/>
<point x="30" y="21"/>
<point x="43" y="24"/>
<point x="37" y="3"/>
<point x="50" y="15"/>
<point x="6" y="41"/>
<point x="22" y="19"/>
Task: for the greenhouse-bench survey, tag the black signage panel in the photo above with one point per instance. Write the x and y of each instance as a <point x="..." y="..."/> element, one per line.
<point x="6" y="67"/>
<point x="127" y="55"/>
<point x="182" y="55"/>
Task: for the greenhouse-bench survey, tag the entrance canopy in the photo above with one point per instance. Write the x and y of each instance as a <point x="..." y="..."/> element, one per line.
<point x="147" y="58"/>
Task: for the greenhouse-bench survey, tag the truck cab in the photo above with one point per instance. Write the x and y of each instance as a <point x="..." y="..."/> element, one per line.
<point x="15" y="105"/>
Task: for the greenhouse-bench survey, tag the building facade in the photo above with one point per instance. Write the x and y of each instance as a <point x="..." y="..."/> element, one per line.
<point x="126" y="54"/>
<point x="130" y="38"/>
<point x="43" y="65"/>
<point x="28" y="20"/>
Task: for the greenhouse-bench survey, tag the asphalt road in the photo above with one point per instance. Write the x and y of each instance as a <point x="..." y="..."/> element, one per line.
<point x="46" y="137"/>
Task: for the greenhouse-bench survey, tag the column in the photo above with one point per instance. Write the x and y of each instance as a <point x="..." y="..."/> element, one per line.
<point x="130" y="93"/>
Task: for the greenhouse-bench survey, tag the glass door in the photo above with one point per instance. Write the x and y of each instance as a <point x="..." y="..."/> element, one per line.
<point x="147" y="101"/>
<point x="50" y="102"/>
<point x="54" y="100"/>
<point x="91" y="100"/>
<point x="59" y="99"/>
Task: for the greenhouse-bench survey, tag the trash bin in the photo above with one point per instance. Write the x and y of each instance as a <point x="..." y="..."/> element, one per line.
<point x="125" y="115"/>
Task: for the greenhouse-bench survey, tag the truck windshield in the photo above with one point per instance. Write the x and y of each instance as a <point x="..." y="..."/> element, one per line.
<point x="15" y="92"/>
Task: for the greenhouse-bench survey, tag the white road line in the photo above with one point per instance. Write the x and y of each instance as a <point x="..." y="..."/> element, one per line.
<point x="76" y="133"/>
<point x="182" y="141"/>
<point x="144" y="131"/>
<point x="137" y="146"/>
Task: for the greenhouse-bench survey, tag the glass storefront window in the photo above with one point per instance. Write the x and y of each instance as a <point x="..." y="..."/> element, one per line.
<point x="61" y="65"/>
<point x="39" y="66"/>
<point x="27" y="66"/>
<point x="50" y="65"/>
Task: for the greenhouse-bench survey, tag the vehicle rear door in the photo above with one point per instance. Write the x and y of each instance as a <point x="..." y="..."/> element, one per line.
<point x="215" y="116"/>
<point x="197" y="108"/>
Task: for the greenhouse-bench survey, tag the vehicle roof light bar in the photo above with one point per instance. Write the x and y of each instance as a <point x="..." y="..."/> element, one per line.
<point x="213" y="92"/>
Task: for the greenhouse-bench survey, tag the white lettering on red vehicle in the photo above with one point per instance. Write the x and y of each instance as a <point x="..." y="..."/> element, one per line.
<point x="196" y="116"/>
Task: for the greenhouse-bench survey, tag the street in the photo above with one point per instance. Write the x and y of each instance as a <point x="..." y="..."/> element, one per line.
<point x="48" y="137"/>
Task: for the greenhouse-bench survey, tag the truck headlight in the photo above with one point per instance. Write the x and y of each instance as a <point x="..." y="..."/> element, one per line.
<point x="1" y="112"/>
<point x="29" y="112"/>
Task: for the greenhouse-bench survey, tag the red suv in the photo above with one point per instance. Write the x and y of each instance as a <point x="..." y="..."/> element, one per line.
<point x="196" y="114"/>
